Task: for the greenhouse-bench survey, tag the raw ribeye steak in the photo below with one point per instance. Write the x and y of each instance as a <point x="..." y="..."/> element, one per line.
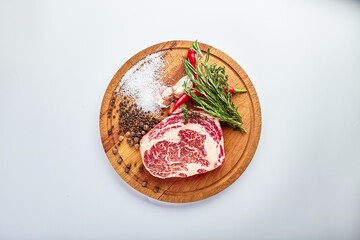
<point x="179" y="148"/>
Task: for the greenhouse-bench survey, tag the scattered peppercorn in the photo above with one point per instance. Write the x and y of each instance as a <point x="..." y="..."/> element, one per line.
<point x="144" y="184"/>
<point x="131" y="118"/>
<point x="120" y="160"/>
<point x="137" y="146"/>
<point x="156" y="189"/>
<point x="114" y="151"/>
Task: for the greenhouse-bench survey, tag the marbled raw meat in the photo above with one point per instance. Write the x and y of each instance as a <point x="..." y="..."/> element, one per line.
<point x="179" y="148"/>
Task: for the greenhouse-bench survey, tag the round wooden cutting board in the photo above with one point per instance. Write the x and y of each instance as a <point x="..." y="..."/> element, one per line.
<point x="239" y="147"/>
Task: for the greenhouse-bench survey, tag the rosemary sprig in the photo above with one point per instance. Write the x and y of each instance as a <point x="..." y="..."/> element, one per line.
<point x="186" y="112"/>
<point x="210" y="83"/>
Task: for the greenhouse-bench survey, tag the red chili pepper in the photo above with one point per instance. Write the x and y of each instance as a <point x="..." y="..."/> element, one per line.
<point x="234" y="90"/>
<point x="183" y="99"/>
<point x="192" y="59"/>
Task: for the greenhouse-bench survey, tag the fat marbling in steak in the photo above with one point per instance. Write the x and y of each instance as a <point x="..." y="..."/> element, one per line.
<point x="179" y="148"/>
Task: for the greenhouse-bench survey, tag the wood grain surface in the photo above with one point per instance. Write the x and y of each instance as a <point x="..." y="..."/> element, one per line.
<point x="239" y="148"/>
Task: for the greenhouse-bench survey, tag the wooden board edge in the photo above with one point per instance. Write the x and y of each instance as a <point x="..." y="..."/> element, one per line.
<point x="162" y="196"/>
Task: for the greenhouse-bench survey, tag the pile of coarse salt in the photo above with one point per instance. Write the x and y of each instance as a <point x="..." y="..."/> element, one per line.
<point x="143" y="81"/>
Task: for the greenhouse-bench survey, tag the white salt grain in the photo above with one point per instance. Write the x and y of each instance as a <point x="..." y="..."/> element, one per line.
<point x="143" y="81"/>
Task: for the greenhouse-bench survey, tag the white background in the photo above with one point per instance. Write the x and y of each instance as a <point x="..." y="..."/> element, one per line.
<point x="57" y="58"/>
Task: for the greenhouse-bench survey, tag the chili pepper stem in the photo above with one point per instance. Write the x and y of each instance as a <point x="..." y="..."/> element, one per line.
<point x="239" y="90"/>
